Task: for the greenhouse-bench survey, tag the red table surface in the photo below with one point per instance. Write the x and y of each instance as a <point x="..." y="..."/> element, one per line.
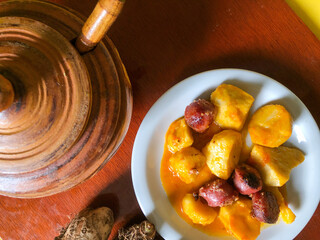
<point x="161" y="43"/>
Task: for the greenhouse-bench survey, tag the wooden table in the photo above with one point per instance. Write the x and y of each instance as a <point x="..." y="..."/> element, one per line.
<point x="161" y="43"/>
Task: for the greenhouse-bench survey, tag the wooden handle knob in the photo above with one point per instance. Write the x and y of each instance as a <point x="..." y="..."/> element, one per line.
<point x="6" y="93"/>
<point x="98" y="23"/>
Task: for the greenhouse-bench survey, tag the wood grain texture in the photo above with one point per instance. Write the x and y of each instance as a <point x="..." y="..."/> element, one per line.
<point x="6" y="93"/>
<point x="98" y="23"/>
<point x="48" y="142"/>
<point x="161" y="43"/>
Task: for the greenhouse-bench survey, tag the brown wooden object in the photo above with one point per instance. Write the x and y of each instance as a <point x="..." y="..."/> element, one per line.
<point x="98" y="23"/>
<point x="70" y="112"/>
<point x="6" y="93"/>
<point x="53" y="95"/>
<point x="161" y="43"/>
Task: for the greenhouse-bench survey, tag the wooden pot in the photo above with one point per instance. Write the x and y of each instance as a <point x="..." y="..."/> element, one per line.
<point x="63" y="115"/>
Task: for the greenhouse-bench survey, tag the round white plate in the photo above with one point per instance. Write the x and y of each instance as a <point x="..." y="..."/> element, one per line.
<point x="303" y="186"/>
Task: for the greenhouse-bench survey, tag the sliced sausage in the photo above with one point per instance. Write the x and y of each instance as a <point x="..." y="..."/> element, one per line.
<point x="218" y="193"/>
<point x="199" y="115"/>
<point x="247" y="180"/>
<point x="265" y="207"/>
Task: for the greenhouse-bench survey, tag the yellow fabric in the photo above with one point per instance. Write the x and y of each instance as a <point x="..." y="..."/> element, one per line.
<point x="309" y="12"/>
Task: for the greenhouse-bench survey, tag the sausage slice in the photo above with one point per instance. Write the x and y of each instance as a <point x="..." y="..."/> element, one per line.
<point x="265" y="207"/>
<point x="218" y="193"/>
<point x="247" y="180"/>
<point x="199" y="115"/>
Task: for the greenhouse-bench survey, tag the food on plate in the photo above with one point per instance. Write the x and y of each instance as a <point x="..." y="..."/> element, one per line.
<point x="246" y="179"/>
<point x="285" y="212"/>
<point x="179" y="135"/>
<point x="201" y="139"/>
<point x="265" y="207"/>
<point x="275" y="164"/>
<point x="233" y="105"/>
<point x="237" y="220"/>
<point x="143" y="231"/>
<point x="270" y="126"/>
<point x="218" y="193"/>
<point x="89" y="224"/>
<point x="187" y="163"/>
<point x="197" y="211"/>
<point x="199" y="115"/>
<point x="223" y="152"/>
<point x="201" y="171"/>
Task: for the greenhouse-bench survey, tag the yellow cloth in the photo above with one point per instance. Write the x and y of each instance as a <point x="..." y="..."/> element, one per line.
<point x="309" y="12"/>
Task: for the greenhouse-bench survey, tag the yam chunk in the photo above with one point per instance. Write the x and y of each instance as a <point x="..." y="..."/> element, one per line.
<point x="275" y="164"/>
<point x="233" y="105"/>
<point x="285" y="212"/>
<point x="179" y="135"/>
<point x="223" y="152"/>
<point x="237" y="219"/>
<point x="205" y="175"/>
<point x="187" y="163"/>
<point x="201" y="139"/>
<point x="198" y="212"/>
<point x="270" y="126"/>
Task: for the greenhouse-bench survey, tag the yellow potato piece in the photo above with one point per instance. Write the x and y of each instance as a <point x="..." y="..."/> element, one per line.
<point x="270" y="126"/>
<point x="237" y="219"/>
<point x="233" y="105"/>
<point x="285" y="212"/>
<point x="223" y="152"/>
<point x="197" y="211"/>
<point x="187" y="163"/>
<point x="275" y="164"/>
<point x="179" y="135"/>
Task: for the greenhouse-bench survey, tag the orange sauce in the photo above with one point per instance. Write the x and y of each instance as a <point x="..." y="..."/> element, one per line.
<point x="177" y="189"/>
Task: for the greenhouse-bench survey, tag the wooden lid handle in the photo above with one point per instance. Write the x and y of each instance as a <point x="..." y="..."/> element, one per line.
<point x="98" y="23"/>
<point x="6" y="93"/>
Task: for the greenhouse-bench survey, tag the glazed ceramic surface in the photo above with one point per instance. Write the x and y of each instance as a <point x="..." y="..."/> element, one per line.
<point x="303" y="191"/>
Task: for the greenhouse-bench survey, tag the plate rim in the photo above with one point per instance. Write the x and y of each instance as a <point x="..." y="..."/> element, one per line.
<point x="186" y="82"/>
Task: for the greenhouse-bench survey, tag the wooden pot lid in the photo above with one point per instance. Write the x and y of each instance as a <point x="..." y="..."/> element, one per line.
<point x="79" y="106"/>
<point x="52" y="95"/>
<point x="6" y="93"/>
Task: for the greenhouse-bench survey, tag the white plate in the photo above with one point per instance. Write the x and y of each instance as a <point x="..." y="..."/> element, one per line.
<point x="303" y="186"/>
